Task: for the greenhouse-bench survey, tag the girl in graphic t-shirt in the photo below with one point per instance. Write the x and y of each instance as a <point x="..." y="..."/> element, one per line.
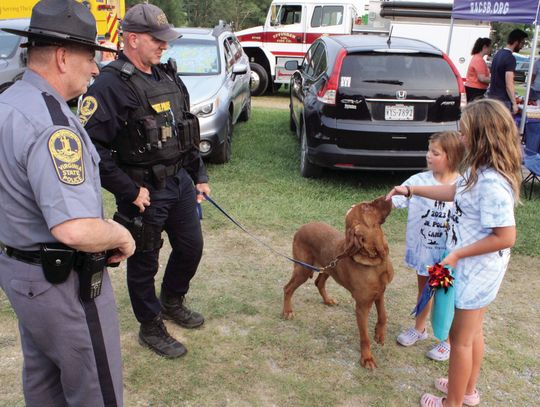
<point x="485" y="230"/>
<point x="478" y="76"/>
<point x="427" y="227"/>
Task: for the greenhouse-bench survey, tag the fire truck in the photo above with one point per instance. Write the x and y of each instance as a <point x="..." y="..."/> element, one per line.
<point x="107" y="13"/>
<point x="291" y="26"/>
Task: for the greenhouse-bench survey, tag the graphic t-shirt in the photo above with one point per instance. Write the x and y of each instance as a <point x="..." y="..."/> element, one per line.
<point x="427" y="225"/>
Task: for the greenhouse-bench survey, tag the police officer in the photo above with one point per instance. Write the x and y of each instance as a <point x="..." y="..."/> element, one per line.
<point x="54" y="238"/>
<point x="137" y="114"/>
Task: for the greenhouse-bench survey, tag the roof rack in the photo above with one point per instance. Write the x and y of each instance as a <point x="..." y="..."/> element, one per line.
<point x="221" y="27"/>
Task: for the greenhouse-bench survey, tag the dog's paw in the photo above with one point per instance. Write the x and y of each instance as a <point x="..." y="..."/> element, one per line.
<point x="379" y="337"/>
<point x="368" y="362"/>
<point x="287" y="315"/>
<point x="330" y="302"/>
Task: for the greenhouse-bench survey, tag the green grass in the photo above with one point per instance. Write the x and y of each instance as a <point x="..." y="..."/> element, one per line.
<point x="246" y="355"/>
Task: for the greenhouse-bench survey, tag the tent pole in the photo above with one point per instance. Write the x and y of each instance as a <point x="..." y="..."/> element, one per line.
<point x="450" y="36"/>
<point x="529" y="80"/>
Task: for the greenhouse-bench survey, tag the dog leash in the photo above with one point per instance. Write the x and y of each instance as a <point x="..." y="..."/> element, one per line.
<point x="330" y="265"/>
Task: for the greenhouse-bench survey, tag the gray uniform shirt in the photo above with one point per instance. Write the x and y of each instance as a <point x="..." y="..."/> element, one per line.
<point x="49" y="172"/>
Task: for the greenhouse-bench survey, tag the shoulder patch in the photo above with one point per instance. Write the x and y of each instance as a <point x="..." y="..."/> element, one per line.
<point x="88" y="106"/>
<point x="65" y="148"/>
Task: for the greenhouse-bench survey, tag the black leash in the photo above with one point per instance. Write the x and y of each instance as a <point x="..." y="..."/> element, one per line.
<point x="301" y="263"/>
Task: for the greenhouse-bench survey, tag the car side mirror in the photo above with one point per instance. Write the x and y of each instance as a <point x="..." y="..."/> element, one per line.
<point x="239" y="69"/>
<point x="291" y="65"/>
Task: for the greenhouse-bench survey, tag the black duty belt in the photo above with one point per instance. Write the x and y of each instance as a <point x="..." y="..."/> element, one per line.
<point x="32" y="257"/>
<point x="140" y="174"/>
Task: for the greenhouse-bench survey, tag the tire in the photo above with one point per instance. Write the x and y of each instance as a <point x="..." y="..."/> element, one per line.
<point x="307" y="169"/>
<point x="246" y="113"/>
<point x="259" y="79"/>
<point x="223" y="153"/>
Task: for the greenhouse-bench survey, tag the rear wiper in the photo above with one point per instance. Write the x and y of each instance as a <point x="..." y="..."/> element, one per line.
<point x="389" y="81"/>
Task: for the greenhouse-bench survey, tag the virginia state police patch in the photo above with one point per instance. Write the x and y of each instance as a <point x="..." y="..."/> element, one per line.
<point x="66" y="152"/>
<point x="88" y="107"/>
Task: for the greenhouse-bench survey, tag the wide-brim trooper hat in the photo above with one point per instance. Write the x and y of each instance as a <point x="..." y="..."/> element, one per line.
<point x="60" y="22"/>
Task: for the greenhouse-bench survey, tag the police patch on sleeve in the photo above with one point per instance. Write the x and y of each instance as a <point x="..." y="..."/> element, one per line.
<point x="66" y="152"/>
<point x="88" y="106"/>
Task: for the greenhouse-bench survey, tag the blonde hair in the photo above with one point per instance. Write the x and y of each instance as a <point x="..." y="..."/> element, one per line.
<point x="450" y="143"/>
<point x="492" y="141"/>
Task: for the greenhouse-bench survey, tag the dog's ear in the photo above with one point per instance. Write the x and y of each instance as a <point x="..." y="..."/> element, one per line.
<point x="353" y="242"/>
<point x="366" y="246"/>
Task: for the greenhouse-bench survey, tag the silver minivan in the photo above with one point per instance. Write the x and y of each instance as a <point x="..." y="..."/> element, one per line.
<point x="12" y="57"/>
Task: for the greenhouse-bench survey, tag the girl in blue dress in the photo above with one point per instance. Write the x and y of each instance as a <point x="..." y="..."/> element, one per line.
<point x="484" y="230"/>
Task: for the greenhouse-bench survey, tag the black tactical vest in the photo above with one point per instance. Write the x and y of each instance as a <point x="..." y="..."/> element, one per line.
<point x="161" y="129"/>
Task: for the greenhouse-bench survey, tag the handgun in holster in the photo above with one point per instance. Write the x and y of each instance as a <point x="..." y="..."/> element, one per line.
<point x="147" y="237"/>
<point x="90" y="267"/>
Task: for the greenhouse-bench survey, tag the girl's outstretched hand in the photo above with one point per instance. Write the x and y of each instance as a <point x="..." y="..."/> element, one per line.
<point x="397" y="190"/>
<point x="451" y="259"/>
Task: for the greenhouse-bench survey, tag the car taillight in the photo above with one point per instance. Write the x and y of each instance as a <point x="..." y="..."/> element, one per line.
<point x="327" y="94"/>
<point x="461" y="86"/>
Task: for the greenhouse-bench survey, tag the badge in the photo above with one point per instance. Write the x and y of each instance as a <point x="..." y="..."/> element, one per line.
<point x="88" y="106"/>
<point x="66" y="152"/>
<point x="162" y="107"/>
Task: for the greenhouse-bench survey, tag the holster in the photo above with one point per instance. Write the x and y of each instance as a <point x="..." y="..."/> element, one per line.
<point x="57" y="261"/>
<point x="147" y="237"/>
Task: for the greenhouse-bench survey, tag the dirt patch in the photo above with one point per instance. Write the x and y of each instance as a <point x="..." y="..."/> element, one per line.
<point x="277" y="101"/>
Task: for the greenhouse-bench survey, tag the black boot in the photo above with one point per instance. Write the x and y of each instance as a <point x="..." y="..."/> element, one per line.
<point x="174" y="309"/>
<point x="154" y="335"/>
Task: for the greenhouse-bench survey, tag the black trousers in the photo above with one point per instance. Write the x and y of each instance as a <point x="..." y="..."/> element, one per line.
<point x="174" y="208"/>
<point x="474" y="93"/>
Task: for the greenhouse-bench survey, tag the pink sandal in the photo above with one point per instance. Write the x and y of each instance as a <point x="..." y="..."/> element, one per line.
<point x="429" y="400"/>
<point x="469" y="399"/>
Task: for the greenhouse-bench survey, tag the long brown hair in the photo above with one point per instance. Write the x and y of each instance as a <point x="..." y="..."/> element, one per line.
<point x="492" y="140"/>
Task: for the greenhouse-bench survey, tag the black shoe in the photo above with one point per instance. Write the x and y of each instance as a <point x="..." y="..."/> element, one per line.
<point x="154" y="335"/>
<point x="174" y="309"/>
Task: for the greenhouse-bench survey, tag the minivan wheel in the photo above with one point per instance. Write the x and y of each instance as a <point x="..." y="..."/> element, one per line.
<point x="259" y="79"/>
<point x="223" y="153"/>
<point x="307" y="170"/>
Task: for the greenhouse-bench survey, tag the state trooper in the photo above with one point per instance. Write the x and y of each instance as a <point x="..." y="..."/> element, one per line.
<point x="55" y="242"/>
<point x="137" y="114"/>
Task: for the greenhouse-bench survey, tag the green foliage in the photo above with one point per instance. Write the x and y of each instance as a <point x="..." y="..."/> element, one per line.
<point x="207" y="13"/>
<point x="500" y="31"/>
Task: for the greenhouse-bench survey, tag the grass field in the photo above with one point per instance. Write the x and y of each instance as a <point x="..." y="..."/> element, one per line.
<point x="246" y="355"/>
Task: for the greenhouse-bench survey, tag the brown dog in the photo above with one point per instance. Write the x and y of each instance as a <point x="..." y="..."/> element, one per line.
<point x="363" y="268"/>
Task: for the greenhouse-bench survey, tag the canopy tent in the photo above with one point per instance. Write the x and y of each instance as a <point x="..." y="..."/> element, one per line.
<point x="509" y="11"/>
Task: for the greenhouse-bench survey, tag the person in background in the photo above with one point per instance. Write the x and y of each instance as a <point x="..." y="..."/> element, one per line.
<point x="137" y="114"/>
<point x="55" y="243"/>
<point x="107" y="56"/>
<point x="484" y="224"/>
<point x="427" y="227"/>
<point x="503" y="68"/>
<point x="478" y="75"/>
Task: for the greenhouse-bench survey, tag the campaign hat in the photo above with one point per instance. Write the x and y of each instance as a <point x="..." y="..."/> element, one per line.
<point x="60" y="22"/>
<point x="150" y="19"/>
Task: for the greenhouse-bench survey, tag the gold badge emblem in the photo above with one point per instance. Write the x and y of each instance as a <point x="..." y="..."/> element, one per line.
<point x="66" y="152"/>
<point x="161" y="19"/>
<point x="88" y="106"/>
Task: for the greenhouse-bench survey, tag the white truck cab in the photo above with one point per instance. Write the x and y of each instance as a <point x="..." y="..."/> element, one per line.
<point x="291" y="27"/>
<point x="289" y="30"/>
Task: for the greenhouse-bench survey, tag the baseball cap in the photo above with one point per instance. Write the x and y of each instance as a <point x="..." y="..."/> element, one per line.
<point x="147" y="18"/>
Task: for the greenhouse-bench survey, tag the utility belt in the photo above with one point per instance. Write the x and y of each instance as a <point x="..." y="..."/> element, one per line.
<point x="57" y="260"/>
<point x="155" y="174"/>
<point x="147" y="236"/>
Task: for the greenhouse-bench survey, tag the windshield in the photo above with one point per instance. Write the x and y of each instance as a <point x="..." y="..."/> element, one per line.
<point x="194" y="57"/>
<point x="8" y="44"/>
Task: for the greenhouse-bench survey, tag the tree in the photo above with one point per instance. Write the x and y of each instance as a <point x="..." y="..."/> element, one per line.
<point x="173" y="9"/>
<point x="500" y="33"/>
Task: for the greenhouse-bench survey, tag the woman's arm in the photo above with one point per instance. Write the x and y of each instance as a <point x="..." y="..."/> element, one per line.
<point x="500" y="238"/>
<point x="436" y="192"/>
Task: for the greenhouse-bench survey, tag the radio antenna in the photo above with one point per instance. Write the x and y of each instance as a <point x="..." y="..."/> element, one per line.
<point x="389" y="40"/>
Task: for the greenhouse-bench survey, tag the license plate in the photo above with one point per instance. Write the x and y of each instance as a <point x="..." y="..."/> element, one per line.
<point x="397" y="112"/>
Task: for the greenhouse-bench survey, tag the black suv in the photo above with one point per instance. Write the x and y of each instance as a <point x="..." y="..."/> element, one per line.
<point x="371" y="102"/>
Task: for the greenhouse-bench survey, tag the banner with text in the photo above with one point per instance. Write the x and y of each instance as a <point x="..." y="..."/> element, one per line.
<point x="510" y="11"/>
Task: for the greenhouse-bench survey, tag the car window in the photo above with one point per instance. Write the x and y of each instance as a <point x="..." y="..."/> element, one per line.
<point x="324" y="16"/>
<point x="229" y="55"/>
<point x="289" y="14"/>
<point x="235" y="48"/>
<point x="194" y="56"/>
<point x="319" y="60"/>
<point x="8" y="44"/>
<point x="418" y="71"/>
<point x="308" y="64"/>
